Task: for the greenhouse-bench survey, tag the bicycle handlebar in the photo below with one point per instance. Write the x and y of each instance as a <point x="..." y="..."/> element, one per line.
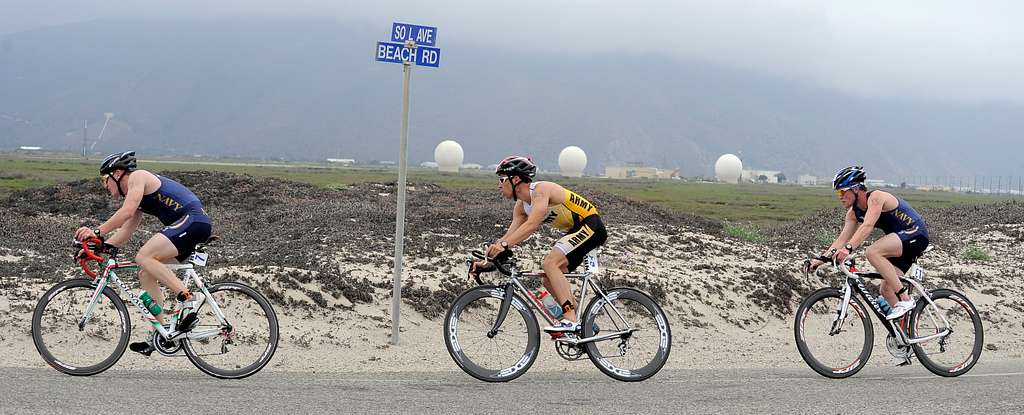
<point x="88" y="246"/>
<point x="849" y="264"/>
<point x="499" y="263"/>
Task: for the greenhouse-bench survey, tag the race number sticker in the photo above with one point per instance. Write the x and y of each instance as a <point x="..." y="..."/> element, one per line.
<point x="198" y="258"/>
<point x="916" y="272"/>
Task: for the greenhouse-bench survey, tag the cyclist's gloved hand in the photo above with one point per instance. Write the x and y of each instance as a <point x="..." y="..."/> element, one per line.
<point x="480" y="266"/>
<point x="811" y="265"/>
<point x="841" y="255"/>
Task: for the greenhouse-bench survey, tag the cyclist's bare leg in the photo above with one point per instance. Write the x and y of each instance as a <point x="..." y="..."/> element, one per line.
<point x="152" y="286"/>
<point x="152" y="256"/>
<point x="878" y="253"/>
<point x="555" y="266"/>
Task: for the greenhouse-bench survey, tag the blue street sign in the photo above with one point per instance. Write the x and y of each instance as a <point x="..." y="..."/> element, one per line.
<point x="398" y="53"/>
<point x="428" y="56"/>
<point x="393" y="52"/>
<point x="422" y="35"/>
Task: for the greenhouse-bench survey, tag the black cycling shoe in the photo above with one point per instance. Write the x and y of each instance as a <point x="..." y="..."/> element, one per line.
<point x="187" y="323"/>
<point x="144" y="348"/>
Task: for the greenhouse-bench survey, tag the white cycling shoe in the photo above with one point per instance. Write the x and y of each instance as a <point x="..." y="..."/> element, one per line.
<point x="901" y="308"/>
<point x="562" y="327"/>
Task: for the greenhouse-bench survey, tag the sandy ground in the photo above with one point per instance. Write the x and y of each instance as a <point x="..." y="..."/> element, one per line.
<point x="712" y="289"/>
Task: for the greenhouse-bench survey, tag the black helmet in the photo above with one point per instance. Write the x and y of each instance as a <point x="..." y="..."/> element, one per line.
<point x="125" y="161"/>
<point x="849" y="177"/>
<point x="517" y="166"/>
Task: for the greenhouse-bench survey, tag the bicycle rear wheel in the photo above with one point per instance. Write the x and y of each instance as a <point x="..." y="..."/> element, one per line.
<point x="957" y="352"/>
<point x="646" y="340"/>
<point x="85" y="350"/>
<point x="838" y="355"/>
<point x="498" y="358"/>
<point x="241" y="347"/>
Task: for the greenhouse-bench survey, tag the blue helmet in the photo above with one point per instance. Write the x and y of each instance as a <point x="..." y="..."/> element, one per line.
<point x="849" y="177"/>
<point x="124" y="161"/>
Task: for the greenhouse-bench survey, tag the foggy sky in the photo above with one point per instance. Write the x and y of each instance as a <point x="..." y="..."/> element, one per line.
<point x="946" y="50"/>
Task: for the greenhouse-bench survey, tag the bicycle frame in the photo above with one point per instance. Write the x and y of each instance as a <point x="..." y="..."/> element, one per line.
<point x="855" y="281"/>
<point x="589" y="275"/>
<point x="109" y="275"/>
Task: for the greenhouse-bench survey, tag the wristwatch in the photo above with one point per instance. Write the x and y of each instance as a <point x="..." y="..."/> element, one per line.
<point x="97" y="232"/>
<point x="504" y="244"/>
<point x="849" y="248"/>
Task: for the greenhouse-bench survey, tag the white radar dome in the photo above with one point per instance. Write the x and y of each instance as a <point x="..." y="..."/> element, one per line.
<point x="728" y="168"/>
<point x="448" y="155"/>
<point x="572" y="160"/>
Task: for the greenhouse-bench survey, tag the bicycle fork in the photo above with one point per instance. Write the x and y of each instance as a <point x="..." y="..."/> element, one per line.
<point x="506" y="301"/>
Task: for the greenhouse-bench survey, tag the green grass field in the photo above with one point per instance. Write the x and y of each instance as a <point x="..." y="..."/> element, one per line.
<point x="755" y="204"/>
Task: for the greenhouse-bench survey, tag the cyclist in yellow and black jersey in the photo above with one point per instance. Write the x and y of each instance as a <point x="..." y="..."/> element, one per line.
<point x="546" y="202"/>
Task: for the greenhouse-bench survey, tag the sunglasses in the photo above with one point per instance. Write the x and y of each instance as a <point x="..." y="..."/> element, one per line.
<point x="103" y="180"/>
<point x="841" y="192"/>
<point x="502" y="179"/>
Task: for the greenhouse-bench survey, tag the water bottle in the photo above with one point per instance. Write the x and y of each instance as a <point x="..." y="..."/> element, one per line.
<point x="884" y="305"/>
<point x="153" y="306"/>
<point x="549" y="302"/>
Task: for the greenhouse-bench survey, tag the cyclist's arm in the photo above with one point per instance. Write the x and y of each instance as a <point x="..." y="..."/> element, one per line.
<point x="126" y="230"/>
<point x="518" y="217"/>
<point x="875" y="202"/>
<point x="534" y="220"/>
<point x="132" y="198"/>
<point x="849" y="227"/>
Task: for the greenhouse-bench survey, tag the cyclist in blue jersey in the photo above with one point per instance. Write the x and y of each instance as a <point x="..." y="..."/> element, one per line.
<point x="906" y="235"/>
<point x="186" y="225"/>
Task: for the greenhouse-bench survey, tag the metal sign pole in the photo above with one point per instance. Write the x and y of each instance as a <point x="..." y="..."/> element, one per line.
<point x="396" y="296"/>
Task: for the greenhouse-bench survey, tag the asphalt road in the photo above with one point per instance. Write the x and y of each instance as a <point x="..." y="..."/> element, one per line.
<point x="989" y="388"/>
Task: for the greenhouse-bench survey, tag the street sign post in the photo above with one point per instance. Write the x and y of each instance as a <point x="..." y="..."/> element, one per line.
<point x="410" y="44"/>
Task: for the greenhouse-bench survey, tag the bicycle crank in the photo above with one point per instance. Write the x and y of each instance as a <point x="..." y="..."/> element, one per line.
<point x="897" y="350"/>
<point x="164" y="346"/>
<point x="570" y="351"/>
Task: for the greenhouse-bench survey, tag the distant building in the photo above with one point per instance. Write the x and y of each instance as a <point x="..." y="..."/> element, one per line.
<point x="472" y="166"/>
<point x="29" y="148"/>
<point x="634" y="172"/>
<point x="429" y="164"/>
<point x="807" y="180"/>
<point x="342" y="161"/>
<point x="770" y="176"/>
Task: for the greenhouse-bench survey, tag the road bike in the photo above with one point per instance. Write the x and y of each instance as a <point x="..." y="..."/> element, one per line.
<point x="835" y="336"/>
<point x="491" y="331"/>
<point x="81" y="326"/>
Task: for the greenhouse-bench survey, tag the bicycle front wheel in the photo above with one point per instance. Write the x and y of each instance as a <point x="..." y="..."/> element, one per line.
<point x="644" y="338"/>
<point x="243" y="343"/>
<point x="833" y="348"/>
<point x="955" y="353"/>
<point x="70" y="346"/>
<point x="500" y="357"/>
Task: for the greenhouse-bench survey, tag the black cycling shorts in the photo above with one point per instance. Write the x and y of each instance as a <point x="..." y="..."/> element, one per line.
<point x="912" y="248"/>
<point x="584" y="238"/>
<point x="186" y="233"/>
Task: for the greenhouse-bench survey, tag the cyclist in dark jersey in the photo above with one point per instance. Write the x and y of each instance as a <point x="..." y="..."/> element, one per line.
<point x="177" y="208"/>
<point x="906" y="234"/>
<point x="538" y="203"/>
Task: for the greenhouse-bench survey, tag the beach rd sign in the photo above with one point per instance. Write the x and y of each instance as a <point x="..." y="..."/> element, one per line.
<point x="398" y="53"/>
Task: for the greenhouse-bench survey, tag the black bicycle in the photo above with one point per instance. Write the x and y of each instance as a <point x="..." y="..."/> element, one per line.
<point x="834" y="333"/>
<point x="492" y="334"/>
